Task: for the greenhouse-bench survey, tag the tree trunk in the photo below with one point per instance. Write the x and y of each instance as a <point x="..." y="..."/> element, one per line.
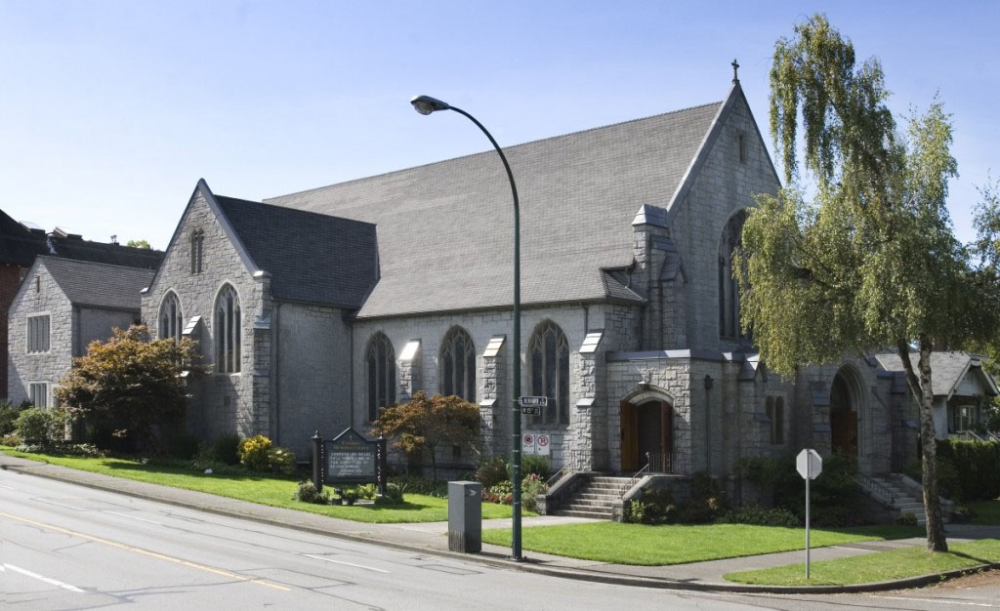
<point x="923" y="391"/>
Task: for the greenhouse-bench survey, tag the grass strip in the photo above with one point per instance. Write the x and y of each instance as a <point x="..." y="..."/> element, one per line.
<point x="259" y="488"/>
<point x="875" y="567"/>
<point x="639" y="544"/>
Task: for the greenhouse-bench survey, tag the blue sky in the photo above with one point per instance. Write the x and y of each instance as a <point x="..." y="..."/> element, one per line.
<point x="111" y="111"/>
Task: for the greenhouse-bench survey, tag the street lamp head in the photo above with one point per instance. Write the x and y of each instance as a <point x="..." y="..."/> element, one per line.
<point x="425" y="104"/>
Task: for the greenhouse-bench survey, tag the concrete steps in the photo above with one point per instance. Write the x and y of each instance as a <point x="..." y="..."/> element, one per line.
<point x="904" y="502"/>
<point x="594" y="498"/>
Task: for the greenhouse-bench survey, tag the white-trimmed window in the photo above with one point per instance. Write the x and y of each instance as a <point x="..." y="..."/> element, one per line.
<point x="380" y="365"/>
<point x="458" y="365"/>
<point x="171" y="318"/>
<point x="548" y="358"/>
<point x="38" y="394"/>
<point x="775" y="407"/>
<point x="228" y="331"/>
<point x="38" y="333"/>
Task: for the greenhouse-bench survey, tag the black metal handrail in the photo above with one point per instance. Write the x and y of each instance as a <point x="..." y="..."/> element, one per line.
<point x="873" y="485"/>
<point x="660" y="462"/>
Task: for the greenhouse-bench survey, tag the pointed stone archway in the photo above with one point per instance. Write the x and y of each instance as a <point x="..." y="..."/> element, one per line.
<point x="646" y="429"/>
<point x="848" y="407"/>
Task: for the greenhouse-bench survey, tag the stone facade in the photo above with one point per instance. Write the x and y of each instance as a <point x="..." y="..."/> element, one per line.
<point x="654" y="340"/>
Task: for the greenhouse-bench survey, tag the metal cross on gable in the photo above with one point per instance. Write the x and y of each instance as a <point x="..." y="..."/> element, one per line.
<point x="736" y="67"/>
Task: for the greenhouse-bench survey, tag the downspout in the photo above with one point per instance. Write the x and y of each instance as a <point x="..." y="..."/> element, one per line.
<point x="350" y="362"/>
<point x="276" y="373"/>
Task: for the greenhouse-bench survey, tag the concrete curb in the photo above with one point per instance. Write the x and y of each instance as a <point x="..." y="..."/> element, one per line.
<point x="527" y="566"/>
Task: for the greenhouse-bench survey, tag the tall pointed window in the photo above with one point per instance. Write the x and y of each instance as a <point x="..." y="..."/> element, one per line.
<point x="228" y="331"/>
<point x="729" y="288"/>
<point x="171" y="319"/>
<point x="458" y="365"/>
<point x="548" y="356"/>
<point x="197" y="250"/>
<point x="380" y="363"/>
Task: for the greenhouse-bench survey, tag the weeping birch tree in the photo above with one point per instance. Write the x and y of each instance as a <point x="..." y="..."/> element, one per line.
<point x="868" y="261"/>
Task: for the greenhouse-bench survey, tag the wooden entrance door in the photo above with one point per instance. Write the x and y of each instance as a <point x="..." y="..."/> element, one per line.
<point x="844" y="432"/>
<point x="629" y="437"/>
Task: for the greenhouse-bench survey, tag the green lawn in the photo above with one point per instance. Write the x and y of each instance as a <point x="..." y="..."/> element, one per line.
<point x="263" y="489"/>
<point x="987" y="513"/>
<point x="871" y="568"/>
<point x="676" y="544"/>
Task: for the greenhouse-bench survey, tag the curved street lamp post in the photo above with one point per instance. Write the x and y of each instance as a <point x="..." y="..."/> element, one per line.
<point x="425" y="105"/>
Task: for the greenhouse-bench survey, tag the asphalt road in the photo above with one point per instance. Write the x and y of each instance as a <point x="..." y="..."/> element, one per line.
<point x="70" y="547"/>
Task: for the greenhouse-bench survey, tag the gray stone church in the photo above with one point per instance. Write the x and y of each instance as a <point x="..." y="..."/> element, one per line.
<point x="316" y="308"/>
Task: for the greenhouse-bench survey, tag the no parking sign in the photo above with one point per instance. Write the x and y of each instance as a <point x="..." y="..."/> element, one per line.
<point x="542" y="444"/>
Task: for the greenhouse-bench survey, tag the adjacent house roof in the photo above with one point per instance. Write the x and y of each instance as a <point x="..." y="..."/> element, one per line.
<point x="948" y="369"/>
<point x="446" y="233"/>
<point x="19" y="246"/>
<point x="98" y="284"/>
<point x="311" y="257"/>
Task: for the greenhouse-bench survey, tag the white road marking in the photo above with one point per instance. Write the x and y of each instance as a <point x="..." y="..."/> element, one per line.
<point x="48" y="580"/>
<point x="125" y="515"/>
<point x="941" y="601"/>
<point x="360" y="566"/>
<point x="7" y="487"/>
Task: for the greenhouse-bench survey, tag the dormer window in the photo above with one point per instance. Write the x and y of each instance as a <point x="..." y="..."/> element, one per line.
<point x="197" y="250"/>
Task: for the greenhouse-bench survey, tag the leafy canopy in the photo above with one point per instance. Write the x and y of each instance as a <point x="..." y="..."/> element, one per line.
<point x="130" y="383"/>
<point x="870" y="261"/>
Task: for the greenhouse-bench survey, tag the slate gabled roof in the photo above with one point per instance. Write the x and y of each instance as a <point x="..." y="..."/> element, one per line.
<point x="445" y="229"/>
<point x="312" y="258"/>
<point x="98" y="284"/>
<point x="948" y="369"/>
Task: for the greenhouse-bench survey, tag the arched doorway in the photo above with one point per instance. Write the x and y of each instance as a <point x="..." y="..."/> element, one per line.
<point x="844" y="416"/>
<point x="646" y="429"/>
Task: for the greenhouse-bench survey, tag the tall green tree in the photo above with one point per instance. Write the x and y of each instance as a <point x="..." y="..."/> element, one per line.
<point x="139" y="244"/>
<point x="869" y="261"/>
<point x="131" y="384"/>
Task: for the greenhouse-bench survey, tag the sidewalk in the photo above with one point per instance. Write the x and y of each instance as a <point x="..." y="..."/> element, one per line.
<point x="430" y="537"/>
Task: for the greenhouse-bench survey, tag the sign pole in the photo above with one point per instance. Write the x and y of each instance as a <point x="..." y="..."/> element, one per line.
<point x="808" y="477"/>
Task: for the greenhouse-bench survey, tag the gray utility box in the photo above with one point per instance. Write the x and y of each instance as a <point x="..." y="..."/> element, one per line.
<point x="465" y="517"/>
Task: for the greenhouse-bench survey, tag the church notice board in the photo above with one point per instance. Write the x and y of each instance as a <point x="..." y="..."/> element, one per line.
<point x="351" y="459"/>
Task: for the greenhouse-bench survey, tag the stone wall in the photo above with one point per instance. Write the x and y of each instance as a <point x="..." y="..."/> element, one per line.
<point x="94" y="324"/>
<point x="39" y="294"/>
<point x="222" y="403"/>
<point x="724" y="186"/>
<point x="312" y="377"/>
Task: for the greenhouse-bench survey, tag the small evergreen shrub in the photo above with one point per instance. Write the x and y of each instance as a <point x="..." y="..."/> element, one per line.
<point x="420" y="485"/>
<point x="534" y="464"/>
<point x="491" y="472"/>
<point x="225" y="449"/>
<point x="368" y="491"/>
<point x="759" y="516"/>
<point x="253" y="452"/>
<point x="8" y="414"/>
<point x="349" y="496"/>
<point x="281" y="460"/>
<point x="393" y="495"/>
<point x="907" y="519"/>
<point x="307" y="493"/>
<point x="40" y="424"/>
<point x="635" y="513"/>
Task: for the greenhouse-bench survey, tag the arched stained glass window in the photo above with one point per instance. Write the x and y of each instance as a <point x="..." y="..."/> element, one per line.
<point x="171" y="319"/>
<point x="548" y="357"/>
<point x="380" y="365"/>
<point x="729" y="289"/>
<point x="228" y="331"/>
<point x="458" y="365"/>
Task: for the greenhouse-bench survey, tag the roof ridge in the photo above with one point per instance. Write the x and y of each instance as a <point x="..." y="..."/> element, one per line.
<point x="506" y="148"/>
<point x="287" y="210"/>
<point x="62" y="259"/>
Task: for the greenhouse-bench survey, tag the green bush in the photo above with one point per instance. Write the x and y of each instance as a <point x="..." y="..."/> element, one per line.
<point x="226" y="449"/>
<point x="420" y="485"/>
<point x="253" y="452"/>
<point x="534" y="464"/>
<point x="349" y="496"/>
<point x="976" y="467"/>
<point x="40" y="424"/>
<point x="307" y="493"/>
<point x="491" y="472"/>
<point x="759" y="516"/>
<point x="531" y="487"/>
<point x="281" y="460"/>
<point x="635" y="513"/>
<point x="907" y="519"/>
<point x="8" y="414"/>
<point x="368" y="491"/>
<point x="393" y="495"/>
